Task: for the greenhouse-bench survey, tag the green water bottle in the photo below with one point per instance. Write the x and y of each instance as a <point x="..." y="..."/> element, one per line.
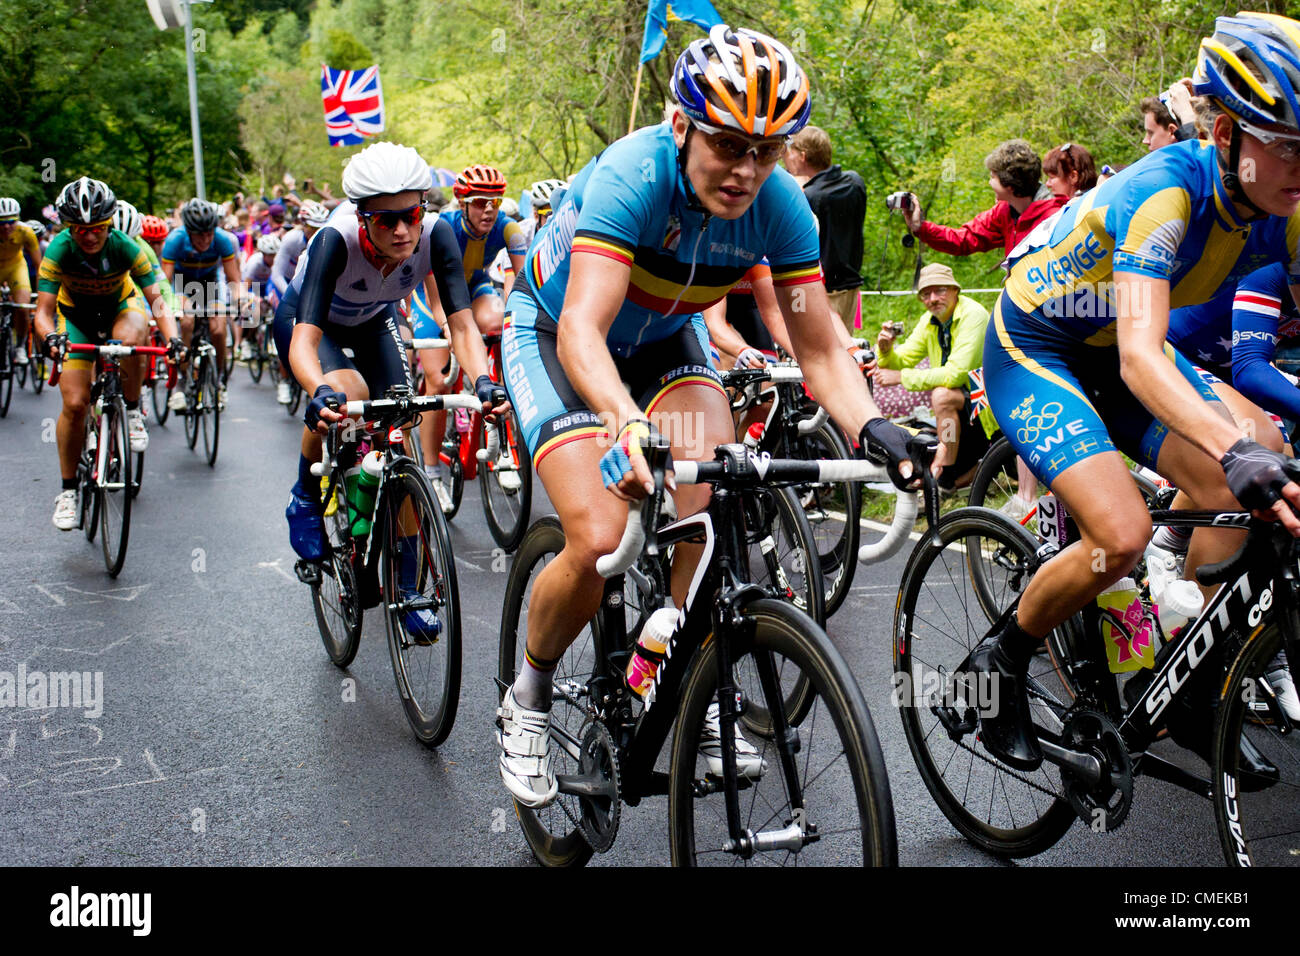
<point x="362" y="482"/>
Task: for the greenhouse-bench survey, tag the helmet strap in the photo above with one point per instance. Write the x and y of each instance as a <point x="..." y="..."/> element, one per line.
<point x="692" y="200"/>
<point x="1232" y="181"/>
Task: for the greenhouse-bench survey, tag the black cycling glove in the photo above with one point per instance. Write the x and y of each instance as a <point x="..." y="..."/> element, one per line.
<point x="489" y="392"/>
<point x="55" y="344"/>
<point x="1255" y="474"/>
<point x="885" y="443"/>
<point x="325" y="396"/>
<point x="175" y="349"/>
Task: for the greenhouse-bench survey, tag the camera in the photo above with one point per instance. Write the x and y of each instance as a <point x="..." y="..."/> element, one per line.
<point x="899" y="200"/>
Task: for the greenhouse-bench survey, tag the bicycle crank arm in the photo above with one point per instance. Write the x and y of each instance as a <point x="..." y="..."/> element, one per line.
<point x="586" y="785"/>
<point x="1085" y="767"/>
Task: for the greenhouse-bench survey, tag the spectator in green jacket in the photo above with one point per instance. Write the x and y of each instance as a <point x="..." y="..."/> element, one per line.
<point x="950" y="333"/>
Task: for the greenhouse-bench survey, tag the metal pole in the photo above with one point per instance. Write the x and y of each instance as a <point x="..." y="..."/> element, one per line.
<point x="195" y="135"/>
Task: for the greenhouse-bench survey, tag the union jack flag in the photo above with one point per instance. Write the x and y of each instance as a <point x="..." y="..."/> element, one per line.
<point x="354" y="104"/>
<point x="978" y="399"/>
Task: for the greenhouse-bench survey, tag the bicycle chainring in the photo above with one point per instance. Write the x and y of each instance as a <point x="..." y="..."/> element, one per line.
<point x="1103" y="807"/>
<point x="600" y="814"/>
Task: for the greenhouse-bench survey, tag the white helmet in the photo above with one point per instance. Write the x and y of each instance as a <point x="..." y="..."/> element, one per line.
<point x="127" y="218"/>
<point x="542" y="190"/>
<point x="382" y="169"/>
<point x="268" y="245"/>
<point x="313" y="213"/>
<point x="510" y="208"/>
<point x="8" y="208"/>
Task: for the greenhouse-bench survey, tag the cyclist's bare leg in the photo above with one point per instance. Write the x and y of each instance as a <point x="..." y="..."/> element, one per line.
<point x="74" y="386"/>
<point x="1114" y="527"/>
<point x="1254" y="421"/>
<point x="695" y="419"/>
<point x="21" y="297"/>
<point x="489" y="313"/>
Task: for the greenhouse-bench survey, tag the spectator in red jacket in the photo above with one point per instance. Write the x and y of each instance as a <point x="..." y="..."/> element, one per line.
<point x="1015" y="176"/>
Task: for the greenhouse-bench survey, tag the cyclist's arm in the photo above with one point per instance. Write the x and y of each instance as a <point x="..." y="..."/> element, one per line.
<point x="33" y="249"/>
<point x="828" y="368"/>
<point x="770" y="312"/>
<point x="44" y="319"/>
<point x="160" y="311"/>
<point x="433" y="299"/>
<point x="168" y="270"/>
<point x="328" y="260"/>
<point x="1254" y="329"/>
<point x="516" y="264"/>
<point x="724" y="335"/>
<point x="238" y="288"/>
<point x="1141" y="325"/>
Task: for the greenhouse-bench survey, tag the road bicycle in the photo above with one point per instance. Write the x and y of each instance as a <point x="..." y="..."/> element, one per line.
<point x="403" y="560"/>
<point x="202" y="388"/>
<point x="1221" y="678"/>
<point x="9" y="369"/>
<point x="738" y="657"/>
<point x="104" y="472"/>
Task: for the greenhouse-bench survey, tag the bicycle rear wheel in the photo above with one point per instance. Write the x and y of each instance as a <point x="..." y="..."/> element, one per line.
<point x="257" y="364"/>
<point x="336" y="599"/>
<point x="508" y="492"/>
<point x="87" y="489"/>
<point x="832" y="759"/>
<point x="211" y="412"/>
<point x="1258" y="818"/>
<point x="552" y="832"/>
<point x="115" y="490"/>
<point x="422" y="606"/>
<point x="36" y="355"/>
<point x="193" y="395"/>
<point x="940" y="619"/>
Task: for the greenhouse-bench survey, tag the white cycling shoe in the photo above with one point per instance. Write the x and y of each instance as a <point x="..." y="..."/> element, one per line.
<point x="139" y="437"/>
<point x="525" y="739"/>
<point x="65" y="510"/>
<point x="444" y="496"/>
<point x="748" y="762"/>
<point x="177" y="401"/>
<point x="509" y="481"/>
<point x="282" y="393"/>
<point x="1279" y="678"/>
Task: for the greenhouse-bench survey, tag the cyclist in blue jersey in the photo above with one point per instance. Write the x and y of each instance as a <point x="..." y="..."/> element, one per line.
<point x="482" y="233"/>
<point x="1236" y="335"/>
<point x="193" y="259"/>
<point x="1077" y="367"/>
<point x="655" y="229"/>
<point x="311" y="216"/>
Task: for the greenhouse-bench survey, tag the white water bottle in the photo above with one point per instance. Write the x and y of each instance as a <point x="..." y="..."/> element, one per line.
<point x="1180" y="602"/>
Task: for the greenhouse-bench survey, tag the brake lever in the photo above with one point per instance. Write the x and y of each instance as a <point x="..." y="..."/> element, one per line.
<point x="657" y="458"/>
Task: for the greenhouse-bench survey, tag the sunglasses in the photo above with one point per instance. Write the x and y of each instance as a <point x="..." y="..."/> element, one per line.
<point x="735" y="148"/>
<point x="1285" y="146"/>
<point x="483" y="202"/>
<point x="388" y="219"/>
<point x="95" y="230"/>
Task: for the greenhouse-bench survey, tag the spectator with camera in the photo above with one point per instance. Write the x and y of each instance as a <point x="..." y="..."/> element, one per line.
<point x="1015" y="176"/>
<point x="950" y="333"/>
<point x="838" y="198"/>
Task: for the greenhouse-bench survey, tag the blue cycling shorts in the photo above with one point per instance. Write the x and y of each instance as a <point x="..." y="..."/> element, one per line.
<point x="550" y="411"/>
<point x="1059" y="401"/>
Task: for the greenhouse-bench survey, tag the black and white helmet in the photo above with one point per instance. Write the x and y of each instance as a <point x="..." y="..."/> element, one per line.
<point x="382" y="169"/>
<point x="127" y="218"/>
<point x="542" y="190"/>
<point x="36" y="226"/>
<point x="199" y="215"/>
<point x="85" y="202"/>
<point x="8" y="208"/>
<point x="313" y="213"/>
<point x="268" y="245"/>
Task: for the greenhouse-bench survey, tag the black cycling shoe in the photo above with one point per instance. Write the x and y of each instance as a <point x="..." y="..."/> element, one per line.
<point x="1006" y="731"/>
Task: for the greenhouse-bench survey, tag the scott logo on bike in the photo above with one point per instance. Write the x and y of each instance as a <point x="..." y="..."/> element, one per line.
<point x="1196" y="648"/>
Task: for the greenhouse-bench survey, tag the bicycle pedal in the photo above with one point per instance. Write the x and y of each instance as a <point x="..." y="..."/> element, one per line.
<point x="308" y="572"/>
<point x="957" y="725"/>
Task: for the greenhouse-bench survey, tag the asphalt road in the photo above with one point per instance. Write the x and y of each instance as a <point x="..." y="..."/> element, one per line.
<point x="226" y="737"/>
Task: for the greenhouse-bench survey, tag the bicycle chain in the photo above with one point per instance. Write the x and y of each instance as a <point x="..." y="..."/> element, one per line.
<point x="1007" y="770"/>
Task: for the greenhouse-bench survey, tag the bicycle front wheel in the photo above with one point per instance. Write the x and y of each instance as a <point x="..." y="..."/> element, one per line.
<point x="40" y="370"/>
<point x="6" y="374"/>
<point x="507" y="487"/>
<point x="193" y="395"/>
<point x="1257" y="815"/>
<point x="257" y="364"/>
<point x="942" y="614"/>
<point x="822" y="797"/>
<point x="552" y="832"/>
<point x="421" y="603"/>
<point x="115" y="490"/>
<point x="211" y="411"/>
<point x="833" y="510"/>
